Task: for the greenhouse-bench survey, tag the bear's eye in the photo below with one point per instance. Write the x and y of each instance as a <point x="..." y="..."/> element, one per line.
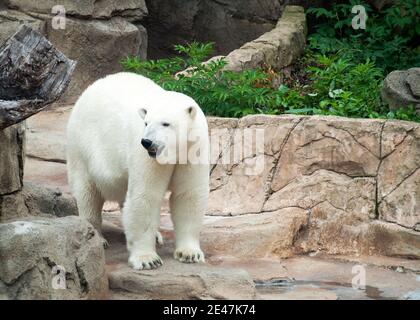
<point x="145" y="124"/>
<point x="165" y="124"/>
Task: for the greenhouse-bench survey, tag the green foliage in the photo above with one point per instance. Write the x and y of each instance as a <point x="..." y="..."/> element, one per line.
<point x="218" y="92"/>
<point x="385" y="41"/>
<point x="345" y="67"/>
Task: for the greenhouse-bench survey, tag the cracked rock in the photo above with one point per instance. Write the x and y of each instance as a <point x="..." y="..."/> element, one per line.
<point x="32" y="250"/>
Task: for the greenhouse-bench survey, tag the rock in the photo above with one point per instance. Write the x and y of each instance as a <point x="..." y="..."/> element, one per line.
<point x="391" y="239"/>
<point x="32" y="250"/>
<point x="47" y="173"/>
<point x="174" y="280"/>
<point x="326" y="181"/>
<point x="11" y="20"/>
<point x="46" y="134"/>
<point x="184" y="282"/>
<point x="277" y="48"/>
<point x="401" y="88"/>
<point x="399" y="174"/>
<point x="227" y="23"/>
<point x="97" y="46"/>
<point x="342" y="145"/>
<point x="42" y="200"/>
<point x="132" y="9"/>
<point x="142" y="53"/>
<point x="12" y="157"/>
<point x="254" y="235"/>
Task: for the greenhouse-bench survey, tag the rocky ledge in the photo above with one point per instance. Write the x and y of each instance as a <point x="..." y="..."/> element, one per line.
<point x="333" y="193"/>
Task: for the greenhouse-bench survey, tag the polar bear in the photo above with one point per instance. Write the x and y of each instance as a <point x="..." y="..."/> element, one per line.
<point x="118" y="131"/>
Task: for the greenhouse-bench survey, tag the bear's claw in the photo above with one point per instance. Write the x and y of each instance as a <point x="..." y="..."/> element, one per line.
<point x="145" y="261"/>
<point x="159" y="238"/>
<point x="189" y="255"/>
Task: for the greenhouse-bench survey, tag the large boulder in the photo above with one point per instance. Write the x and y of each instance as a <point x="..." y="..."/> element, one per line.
<point x="339" y="185"/>
<point x="97" y="46"/>
<point x="11" y="20"/>
<point x="399" y="174"/>
<point x="227" y="23"/>
<point x="134" y="9"/>
<point x="402" y="88"/>
<point x="57" y="258"/>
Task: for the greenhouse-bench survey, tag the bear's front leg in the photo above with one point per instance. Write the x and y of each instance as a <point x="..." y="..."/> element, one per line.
<point x="141" y="220"/>
<point x="188" y="202"/>
<point x="187" y="210"/>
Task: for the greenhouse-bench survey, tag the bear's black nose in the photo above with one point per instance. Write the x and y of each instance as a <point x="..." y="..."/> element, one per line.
<point x="146" y="143"/>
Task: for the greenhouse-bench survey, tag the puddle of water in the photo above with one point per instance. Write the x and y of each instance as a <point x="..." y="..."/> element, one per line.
<point x="342" y="290"/>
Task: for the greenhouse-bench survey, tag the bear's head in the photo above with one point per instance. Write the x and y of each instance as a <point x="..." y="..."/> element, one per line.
<point x="173" y="123"/>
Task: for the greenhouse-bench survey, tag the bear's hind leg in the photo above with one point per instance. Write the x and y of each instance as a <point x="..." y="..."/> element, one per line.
<point x="89" y="202"/>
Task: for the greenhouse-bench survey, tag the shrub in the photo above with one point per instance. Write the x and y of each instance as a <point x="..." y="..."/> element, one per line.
<point x="345" y="68"/>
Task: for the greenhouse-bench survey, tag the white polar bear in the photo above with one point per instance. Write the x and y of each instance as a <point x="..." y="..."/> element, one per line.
<point x="119" y="130"/>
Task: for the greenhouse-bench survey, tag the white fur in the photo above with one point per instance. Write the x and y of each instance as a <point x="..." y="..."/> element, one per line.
<point x="106" y="161"/>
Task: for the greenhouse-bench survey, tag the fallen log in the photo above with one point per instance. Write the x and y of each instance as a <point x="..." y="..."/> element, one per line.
<point x="33" y="74"/>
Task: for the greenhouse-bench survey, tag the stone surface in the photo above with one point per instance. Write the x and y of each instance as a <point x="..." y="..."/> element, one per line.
<point x="401" y="88"/>
<point x="29" y="250"/>
<point x="227" y="23"/>
<point x="277" y="48"/>
<point x="97" y="46"/>
<point x="399" y="175"/>
<point x="320" y="189"/>
<point x="174" y="280"/>
<point x="12" y="157"/>
<point x="254" y="235"/>
<point x="46" y="135"/>
<point x="49" y="174"/>
<point x="133" y="9"/>
<point x="34" y="200"/>
<point x="11" y="20"/>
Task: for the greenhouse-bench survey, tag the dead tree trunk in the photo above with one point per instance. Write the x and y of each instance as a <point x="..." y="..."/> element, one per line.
<point x="33" y="74"/>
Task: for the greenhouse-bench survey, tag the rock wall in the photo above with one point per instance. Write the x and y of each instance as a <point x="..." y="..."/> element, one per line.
<point x="227" y="23"/>
<point x="332" y="184"/>
<point x="97" y="34"/>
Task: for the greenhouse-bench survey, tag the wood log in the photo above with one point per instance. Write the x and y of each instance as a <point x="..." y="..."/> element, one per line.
<point x="33" y="74"/>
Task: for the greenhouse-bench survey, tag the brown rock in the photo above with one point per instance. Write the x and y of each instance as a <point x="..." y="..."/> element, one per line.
<point x="337" y="144"/>
<point x="178" y="281"/>
<point x="398" y="174"/>
<point x="254" y="235"/>
<point x="392" y="240"/>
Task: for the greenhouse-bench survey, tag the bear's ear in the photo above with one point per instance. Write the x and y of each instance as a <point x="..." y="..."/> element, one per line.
<point x="142" y="112"/>
<point x="192" y="111"/>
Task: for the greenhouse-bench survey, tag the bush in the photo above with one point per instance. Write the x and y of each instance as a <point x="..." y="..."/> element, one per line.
<point x="218" y="92"/>
<point x="345" y="68"/>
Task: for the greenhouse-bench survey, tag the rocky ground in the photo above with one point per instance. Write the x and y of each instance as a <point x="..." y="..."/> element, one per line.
<point x="310" y="276"/>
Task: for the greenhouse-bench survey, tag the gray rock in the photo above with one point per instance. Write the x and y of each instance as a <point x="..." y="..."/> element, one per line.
<point x="12" y="157"/>
<point x="11" y="20"/>
<point x="97" y="46"/>
<point x="402" y="88"/>
<point x="32" y="250"/>
<point x="228" y="23"/>
<point x="36" y="200"/>
<point x="135" y="9"/>
<point x="278" y="48"/>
